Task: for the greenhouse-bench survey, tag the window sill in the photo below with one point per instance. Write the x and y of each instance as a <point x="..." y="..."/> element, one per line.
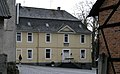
<point x="29" y="58"/>
<point x="66" y="44"/>
<point x="30" y="42"/>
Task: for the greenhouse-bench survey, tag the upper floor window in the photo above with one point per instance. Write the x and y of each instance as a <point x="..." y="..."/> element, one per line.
<point x="19" y="37"/>
<point x="82" y="38"/>
<point x="29" y="54"/>
<point x="29" y="37"/>
<point x="48" y="53"/>
<point x="82" y="54"/>
<point x="66" y="38"/>
<point x="48" y="38"/>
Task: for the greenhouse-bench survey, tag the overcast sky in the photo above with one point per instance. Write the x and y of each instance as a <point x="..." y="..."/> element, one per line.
<point x="67" y="5"/>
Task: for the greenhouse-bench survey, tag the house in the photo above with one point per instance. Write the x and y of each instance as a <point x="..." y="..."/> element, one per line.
<point x="4" y="14"/>
<point x="7" y="48"/>
<point x="48" y="36"/>
<point x="7" y="29"/>
<point x="109" y="35"/>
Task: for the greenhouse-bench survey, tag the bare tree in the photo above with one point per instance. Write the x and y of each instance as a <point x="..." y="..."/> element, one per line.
<point x="81" y="11"/>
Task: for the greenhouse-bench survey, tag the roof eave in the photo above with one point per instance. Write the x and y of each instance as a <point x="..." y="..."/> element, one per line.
<point x="4" y="9"/>
<point x="95" y="9"/>
<point x="6" y="17"/>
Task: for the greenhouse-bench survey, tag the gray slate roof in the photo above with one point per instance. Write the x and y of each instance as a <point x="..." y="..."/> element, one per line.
<point x="45" y="13"/>
<point x="4" y="9"/>
<point x="35" y="19"/>
<point x="39" y="25"/>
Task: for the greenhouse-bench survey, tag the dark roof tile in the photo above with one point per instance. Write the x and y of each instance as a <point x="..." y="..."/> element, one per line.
<point x="35" y="19"/>
<point x="45" y="13"/>
<point x="4" y="9"/>
<point x="54" y="25"/>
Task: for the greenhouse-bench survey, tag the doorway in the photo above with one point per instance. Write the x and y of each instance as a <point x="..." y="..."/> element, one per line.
<point x="65" y="55"/>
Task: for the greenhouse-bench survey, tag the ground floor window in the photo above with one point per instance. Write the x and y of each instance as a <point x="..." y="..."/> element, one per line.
<point x="18" y="53"/>
<point x="29" y="54"/>
<point x="48" y="53"/>
<point x="82" y="53"/>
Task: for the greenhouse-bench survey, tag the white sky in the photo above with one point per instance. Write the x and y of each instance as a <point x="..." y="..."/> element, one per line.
<point x="67" y="5"/>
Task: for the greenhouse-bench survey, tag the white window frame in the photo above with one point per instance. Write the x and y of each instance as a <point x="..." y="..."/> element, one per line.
<point x="31" y="36"/>
<point x="17" y="54"/>
<point x="32" y="53"/>
<point x="64" y="38"/>
<point x="80" y="53"/>
<point x="17" y="35"/>
<point x="46" y="38"/>
<point x="50" y="53"/>
<point x="84" y="39"/>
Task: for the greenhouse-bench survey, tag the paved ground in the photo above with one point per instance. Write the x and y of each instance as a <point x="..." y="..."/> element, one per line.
<point x="25" y="69"/>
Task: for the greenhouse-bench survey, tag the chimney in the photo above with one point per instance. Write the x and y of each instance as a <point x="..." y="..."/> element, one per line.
<point x="58" y="8"/>
<point x="18" y="8"/>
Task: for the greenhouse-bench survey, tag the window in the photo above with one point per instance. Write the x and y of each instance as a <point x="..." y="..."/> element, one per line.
<point x="48" y="54"/>
<point x="83" y="54"/>
<point x="30" y="37"/>
<point x="19" y="37"/>
<point x="66" y="38"/>
<point x="30" y="54"/>
<point x="48" y="38"/>
<point x="82" y="38"/>
<point x="18" y="52"/>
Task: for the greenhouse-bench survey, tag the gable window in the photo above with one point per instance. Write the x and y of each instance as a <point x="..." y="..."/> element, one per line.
<point x="29" y="53"/>
<point x="19" y="37"/>
<point x="82" y="54"/>
<point x="82" y="38"/>
<point x="47" y="53"/>
<point x="48" y="38"/>
<point x="30" y="37"/>
<point x="66" y="38"/>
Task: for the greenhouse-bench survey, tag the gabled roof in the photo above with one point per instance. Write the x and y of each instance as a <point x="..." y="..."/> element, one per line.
<point x="48" y="20"/>
<point x="4" y="9"/>
<point x="42" y="13"/>
<point x="66" y="28"/>
<point x="49" y="25"/>
<point x="95" y="9"/>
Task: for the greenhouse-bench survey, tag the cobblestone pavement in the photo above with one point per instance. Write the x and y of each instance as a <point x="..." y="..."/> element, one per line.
<point x="26" y="69"/>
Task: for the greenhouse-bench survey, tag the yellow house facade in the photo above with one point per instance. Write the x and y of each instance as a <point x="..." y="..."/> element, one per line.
<point x="52" y="39"/>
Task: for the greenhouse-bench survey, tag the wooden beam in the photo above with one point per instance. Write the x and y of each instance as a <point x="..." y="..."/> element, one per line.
<point x="107" y="8"/>
<point x="114" y="59"/>
<point x="109" y="25"/>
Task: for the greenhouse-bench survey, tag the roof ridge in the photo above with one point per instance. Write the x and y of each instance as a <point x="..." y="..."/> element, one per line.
<point x="41" y="8"/>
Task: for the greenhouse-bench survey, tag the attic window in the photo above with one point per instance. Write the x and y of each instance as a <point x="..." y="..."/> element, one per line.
<point x="29" y="24"/>
<point x="47" y="25"/>
<point x="80" y="26"/>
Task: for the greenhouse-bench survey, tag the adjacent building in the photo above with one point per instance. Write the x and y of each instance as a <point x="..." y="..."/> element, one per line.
<point x="108" y="12"/>
<point x="7" y="37"/>
<point x="4" y="14"/>
<point x="7" y="29"/>
<point x="47" y="36"/>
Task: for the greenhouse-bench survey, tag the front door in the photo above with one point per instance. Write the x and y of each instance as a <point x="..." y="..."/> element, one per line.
<point x="66" y="54"/>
